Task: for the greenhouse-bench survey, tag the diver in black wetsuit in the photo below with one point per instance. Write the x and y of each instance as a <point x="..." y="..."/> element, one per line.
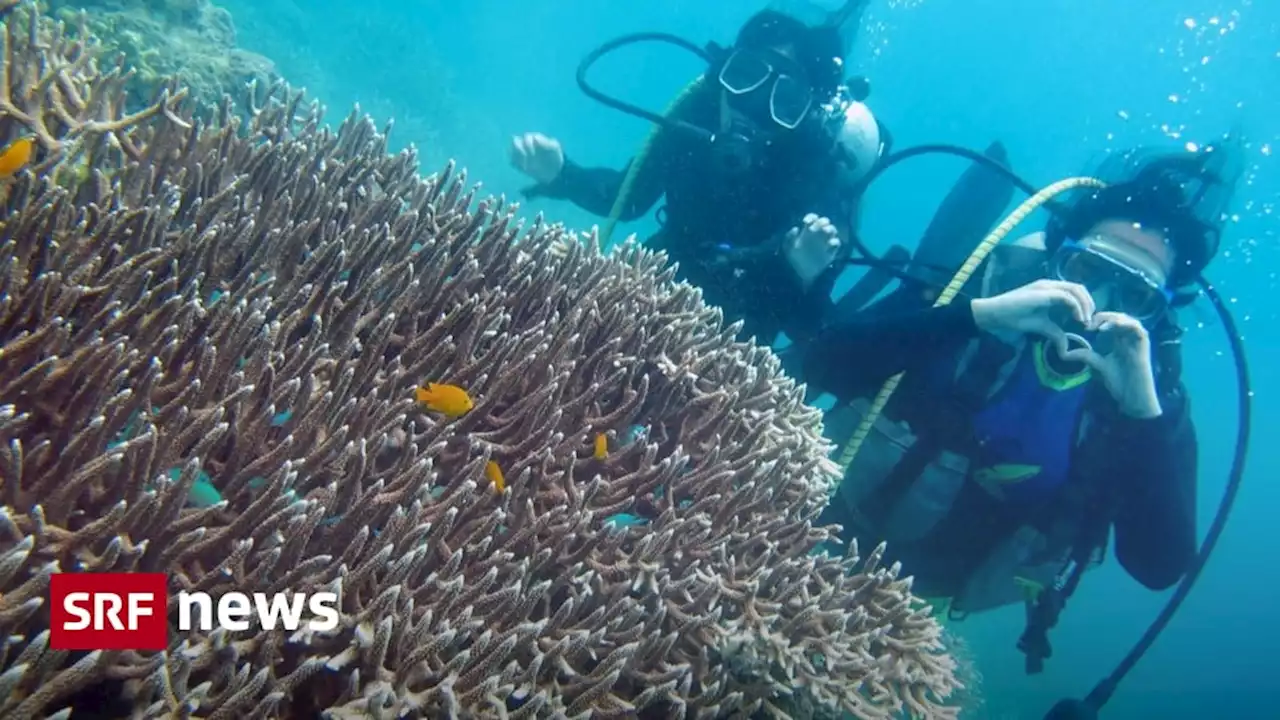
<point x="1044" y="410"/>
<point x="757" y="217"/>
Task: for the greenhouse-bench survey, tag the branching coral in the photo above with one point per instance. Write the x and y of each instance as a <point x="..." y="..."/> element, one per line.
<point x="191" y="40"/>
<point x="251" y="305"/>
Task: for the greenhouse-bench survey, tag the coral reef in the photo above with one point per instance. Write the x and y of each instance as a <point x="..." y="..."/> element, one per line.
<point x="249" y="305"/>
<point x="193" y="41"/>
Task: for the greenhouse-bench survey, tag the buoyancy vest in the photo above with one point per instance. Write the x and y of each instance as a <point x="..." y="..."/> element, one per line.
<point x="1021" y="442"/>
<point x="1016" y="444"/>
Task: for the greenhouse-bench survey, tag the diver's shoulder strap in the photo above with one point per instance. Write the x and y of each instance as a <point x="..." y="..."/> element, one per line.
<point x="975" y="384"/>
<point x="947" y="425"/>
<point x="1167" y="349"/>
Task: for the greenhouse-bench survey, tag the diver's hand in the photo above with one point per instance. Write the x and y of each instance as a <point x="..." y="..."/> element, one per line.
<point x="811" y="247"/>
<point x="538" y="156"/>
<point x="1126" y="368"/>
<point x="1035" y="309"/>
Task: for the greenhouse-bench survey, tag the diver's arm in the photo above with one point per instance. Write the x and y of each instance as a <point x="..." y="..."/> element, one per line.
<point x="1156" y="522"/>
<point x="784" y="301"/>
<point x="853" y="359"/>
<point x="779" y="298"/>
<point x="596" y="189"/>
<point x="802" y="308"/>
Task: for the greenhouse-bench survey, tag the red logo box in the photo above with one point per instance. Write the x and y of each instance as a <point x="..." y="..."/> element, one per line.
<point x="108" y="611"/>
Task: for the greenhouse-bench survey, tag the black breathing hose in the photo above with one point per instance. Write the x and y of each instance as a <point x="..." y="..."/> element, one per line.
<point x="592" y="57"/>
<point x="871" y="259"/>
<point x="1102" y="692"/>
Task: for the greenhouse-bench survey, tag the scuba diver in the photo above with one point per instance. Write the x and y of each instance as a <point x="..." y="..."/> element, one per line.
<point x="757" y="162"/>
<point x="988" y="498"/>
<point x="1043" y="408"/>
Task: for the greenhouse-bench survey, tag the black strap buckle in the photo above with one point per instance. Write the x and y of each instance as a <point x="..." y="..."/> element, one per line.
<point x="1042" y="616"/>
<point x="1044" y="610"/>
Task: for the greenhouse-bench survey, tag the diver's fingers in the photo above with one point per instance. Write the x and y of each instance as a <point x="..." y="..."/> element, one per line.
<point x="1064" y="297"/>
<point x="1126" y="328"/>
<point x="1085" y="300"/>
<point x="1073" y="295"/>
<point x="823" y="244"/>
<point x="522" y="149"/>
<point x="810" y="219"/>
<point x="1108" y="320"/>
<point x="1055" y="335"/>
<point x="1085" y="355"/>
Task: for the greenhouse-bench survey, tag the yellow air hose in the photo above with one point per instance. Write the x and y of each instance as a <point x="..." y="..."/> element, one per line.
<point x="953" y="288"/>
<point x="637" y="163"/>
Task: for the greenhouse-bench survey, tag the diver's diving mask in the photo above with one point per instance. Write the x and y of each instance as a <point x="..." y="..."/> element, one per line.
<point x="1098" y="263"/>
<point x="747" y="72"/>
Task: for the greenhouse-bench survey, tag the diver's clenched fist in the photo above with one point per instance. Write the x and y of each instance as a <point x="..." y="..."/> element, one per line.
<point x="812" y="247"/>
<point x="538" y="156"/>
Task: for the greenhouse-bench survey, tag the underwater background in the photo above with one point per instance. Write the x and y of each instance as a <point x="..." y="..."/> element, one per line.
<point x="1059" y="82"/>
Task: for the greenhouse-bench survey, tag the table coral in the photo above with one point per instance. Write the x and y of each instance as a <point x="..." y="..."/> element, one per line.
<point x="191" y="40"/>
<point x="250" y="305"/>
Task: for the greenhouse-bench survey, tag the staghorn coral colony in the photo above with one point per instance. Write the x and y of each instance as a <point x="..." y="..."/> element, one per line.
<point x="191" y="40"/>
<point x="210" y="335"/>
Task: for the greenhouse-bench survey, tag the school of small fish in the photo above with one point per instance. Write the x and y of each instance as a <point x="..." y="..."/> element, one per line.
<point x="453" y="402"/>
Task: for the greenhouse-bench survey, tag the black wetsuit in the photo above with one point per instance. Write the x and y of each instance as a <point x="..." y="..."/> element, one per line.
<point x="1144" y="468"/>
<point x="726" y="231"/>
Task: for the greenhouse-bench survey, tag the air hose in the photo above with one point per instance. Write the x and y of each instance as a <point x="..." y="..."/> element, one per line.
<point x="953" y="288"/>
<point x="637" y="163"/>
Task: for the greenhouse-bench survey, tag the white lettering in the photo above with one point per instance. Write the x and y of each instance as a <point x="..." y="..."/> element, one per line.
<point x="267" y="612"/>
<point x="324" y="604"/>
<point x="71" y="603"/>
<point x="136" y="609"/>
<point x="107" y="605"/>
<point x="203" y="605"/>
<point x="230" y="606"/>
<point x="236" y="611"/>
<point x="106" y="610"/>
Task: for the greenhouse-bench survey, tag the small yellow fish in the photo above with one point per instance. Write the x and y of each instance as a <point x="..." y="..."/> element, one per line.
<point x="602" y="446"/>
<point x="16" y="156"/>
<point x="494" y="473"/>
<point x="451" y="400"/>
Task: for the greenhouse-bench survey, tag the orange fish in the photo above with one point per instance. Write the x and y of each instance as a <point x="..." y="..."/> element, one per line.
<point x="602" y="446"/>
<point x="16" y="156"/>
<point x="494" y="473"/>
<point x="451" y="400"/>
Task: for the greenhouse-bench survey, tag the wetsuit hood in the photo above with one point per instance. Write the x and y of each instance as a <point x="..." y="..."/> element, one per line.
<point x="1184" y="194"/>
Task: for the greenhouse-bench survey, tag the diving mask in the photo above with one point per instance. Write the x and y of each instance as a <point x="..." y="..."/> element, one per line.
<point x="1113" y="275"/>
<point x="750" y="74"/>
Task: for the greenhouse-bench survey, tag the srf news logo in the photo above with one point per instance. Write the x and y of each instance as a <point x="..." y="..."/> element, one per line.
<point x="128" y="611"/>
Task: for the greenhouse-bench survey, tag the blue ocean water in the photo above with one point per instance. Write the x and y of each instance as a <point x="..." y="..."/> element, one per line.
<point x="1059" y="82"/>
